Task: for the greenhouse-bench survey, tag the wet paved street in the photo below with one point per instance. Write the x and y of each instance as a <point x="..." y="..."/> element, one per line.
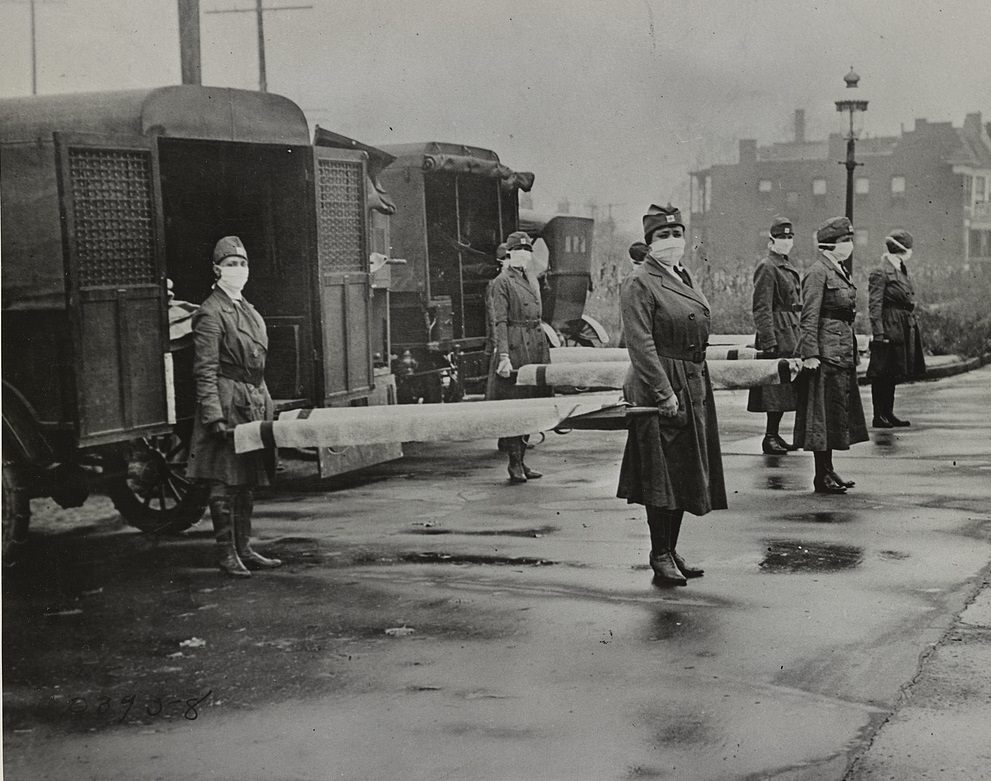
<point x="433" y="622"/>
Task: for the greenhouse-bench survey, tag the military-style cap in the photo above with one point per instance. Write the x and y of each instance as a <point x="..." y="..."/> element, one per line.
<point x="781" y="228"/>
<point x="902" y="237"/>
<point x="638" y="251"/>
<point x="519" y="240"/>
<point x="501" y="252"/>
<point x="658" y="217"/>
<point x="833" y="230"/>
<point x="227" y="247"/>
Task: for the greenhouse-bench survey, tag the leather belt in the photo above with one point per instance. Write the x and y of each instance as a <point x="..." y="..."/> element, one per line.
<point x="240" y="374"/>
<point x="695" y="357"/>
<point x="838" y="314"/>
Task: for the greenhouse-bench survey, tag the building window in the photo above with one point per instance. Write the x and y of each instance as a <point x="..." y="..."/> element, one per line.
<point x="980" y="244"/>
<point x="697" y="195"/>
<point x="764" y="186"/>
<point x="897" y="186"/>
<point x="980" y="189"/>
<point x="860" y="237"/>
<point x="862" y="186"/>
<point x="792" y="196"/>
<point x="818" y="186"/>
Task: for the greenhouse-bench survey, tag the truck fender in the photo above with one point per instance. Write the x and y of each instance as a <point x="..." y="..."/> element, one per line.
<point x="551" y="335"/>
<point x="596" y="326"/>
<point x="23" y="441"/>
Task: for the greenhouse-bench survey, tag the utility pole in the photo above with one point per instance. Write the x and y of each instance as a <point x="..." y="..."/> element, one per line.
<point x="34" y="55"/>
<point x="259" y="12"/>
<point x="189" y="42"/>
<point x="33" y="16"/>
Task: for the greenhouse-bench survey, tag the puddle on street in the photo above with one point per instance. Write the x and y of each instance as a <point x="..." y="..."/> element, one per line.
<point x="540" y="531"/>
<point x="820" y="516"/>
<point x="797" y="556"/>
<point x="672" y="624"/>
<point x="886" y="440"/>
<point x="893" y="555"/>
<point x="433" y="557"/>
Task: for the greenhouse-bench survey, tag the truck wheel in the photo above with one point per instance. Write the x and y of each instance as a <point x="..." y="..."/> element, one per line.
<point x="16" y="513"/>
<point x="153" y="494"/>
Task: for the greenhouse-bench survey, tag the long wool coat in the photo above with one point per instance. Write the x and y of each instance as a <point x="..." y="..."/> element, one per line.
<point x="666" y="323"/>
<point x="891" y="304"/>
<point x="777" y="305"/>
<point x="830" y="415"/>
<point x="515" y="329"/>
<point x="231" y="344"/>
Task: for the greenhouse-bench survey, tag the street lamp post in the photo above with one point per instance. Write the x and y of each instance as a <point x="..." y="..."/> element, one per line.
<point x="851" y="107"/>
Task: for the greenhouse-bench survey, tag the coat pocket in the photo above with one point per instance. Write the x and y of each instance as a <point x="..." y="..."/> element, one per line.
<point x="836" y="342"/>
<point x="679" y="420"/>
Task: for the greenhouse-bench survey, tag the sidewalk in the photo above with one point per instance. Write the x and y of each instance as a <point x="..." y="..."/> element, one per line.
<point x="937" y="366"/>
<point x="942" y="725"/>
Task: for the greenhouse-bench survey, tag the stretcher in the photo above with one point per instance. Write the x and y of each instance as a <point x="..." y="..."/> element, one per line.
<point x="346" y="426"/>
<point x="724" y="374"/>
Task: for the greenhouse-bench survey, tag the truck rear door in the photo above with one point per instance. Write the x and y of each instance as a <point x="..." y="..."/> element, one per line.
<point x="115" y="278"/>
<point x="343" y="271"/>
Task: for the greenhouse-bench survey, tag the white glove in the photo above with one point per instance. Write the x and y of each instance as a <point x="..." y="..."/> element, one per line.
<point x="505" y="366"/>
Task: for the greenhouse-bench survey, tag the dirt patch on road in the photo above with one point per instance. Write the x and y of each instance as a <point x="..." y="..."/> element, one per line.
<point x="117" y="629"/>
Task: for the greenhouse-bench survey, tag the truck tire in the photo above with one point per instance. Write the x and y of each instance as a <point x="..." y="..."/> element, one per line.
<point x="153" y="493"/>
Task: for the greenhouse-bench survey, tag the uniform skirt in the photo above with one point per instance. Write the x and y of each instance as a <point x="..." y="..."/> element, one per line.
<point x="830" y="415"/>
<point x="675" y="467"/>
<point x="772" y="398"/>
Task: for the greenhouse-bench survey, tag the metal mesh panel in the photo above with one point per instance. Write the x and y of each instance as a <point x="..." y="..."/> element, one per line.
<point x="114" y="226"/>
<point x="340" y="216"/>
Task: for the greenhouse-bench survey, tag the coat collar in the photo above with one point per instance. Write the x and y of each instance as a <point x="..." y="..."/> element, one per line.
<point x="246" y="317"/>
<point x="831" y="267"/>
<point x="669" y="281"/>
<point x="519" y="280"/>
<point x="782" y="261"/>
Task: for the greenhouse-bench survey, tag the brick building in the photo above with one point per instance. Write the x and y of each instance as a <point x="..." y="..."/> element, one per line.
<point x="934" y="180"/>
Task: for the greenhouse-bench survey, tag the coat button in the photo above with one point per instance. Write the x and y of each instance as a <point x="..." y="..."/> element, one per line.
<point x="691" y="346"/>
<point x="691" y="316"/>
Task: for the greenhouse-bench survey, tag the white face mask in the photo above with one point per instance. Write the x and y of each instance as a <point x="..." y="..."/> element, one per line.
<point x="906" y="255"/>
<point x="234" y="277"/>
<point x="668" y="251"/>
<point x="781" y="246"/>
<point x="842" y="250"/>
<point x="518" y="258"/>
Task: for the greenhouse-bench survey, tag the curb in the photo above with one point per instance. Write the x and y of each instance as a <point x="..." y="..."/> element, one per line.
<point x="960" y="366"/>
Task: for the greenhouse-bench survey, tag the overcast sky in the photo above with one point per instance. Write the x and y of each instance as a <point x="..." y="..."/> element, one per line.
<point x="612" y="100"/>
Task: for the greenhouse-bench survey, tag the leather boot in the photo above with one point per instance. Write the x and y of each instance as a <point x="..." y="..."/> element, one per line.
<point x="831" y="471"/>
<point x="514" y="446"/>
<point x="687" y="570"/>
<point x="772" y="445"/>
<point x="222" y="515"/>
<point x="530" y="474"/>
<point x="244" y="505"/>
<point x="666" y="572"/>
<point x="824" y="482"/>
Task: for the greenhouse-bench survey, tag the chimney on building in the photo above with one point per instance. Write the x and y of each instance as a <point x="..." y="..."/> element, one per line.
<point x="972" y="124"/>
<point x="800" y="126"/>
<point x="748" y="150"/>
<point x="564" y="207"/>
